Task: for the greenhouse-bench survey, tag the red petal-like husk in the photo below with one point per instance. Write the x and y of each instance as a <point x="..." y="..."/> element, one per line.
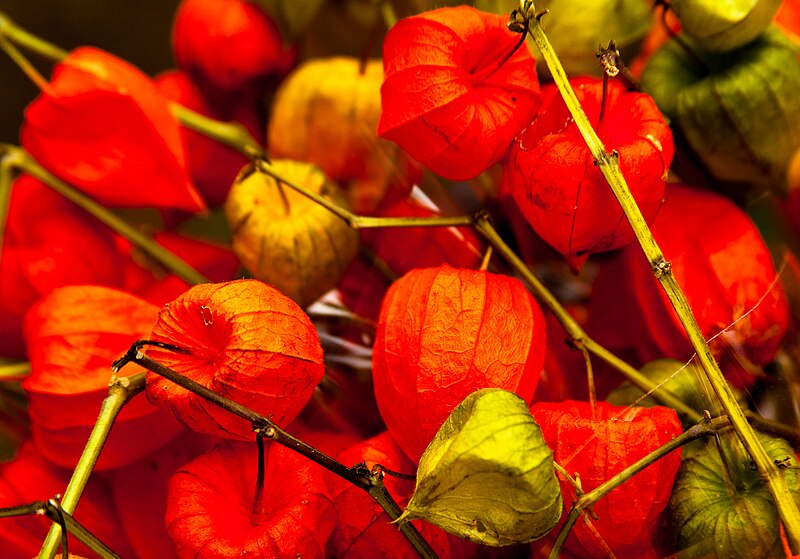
<point x="446" y="99"/>
<point x="66" y="246"/>
<point x="210" y="500"/>
<point x="103" y="126"/>
<point x="364" y="530"/>
<point x="599" y="447"/>
<point x="139" y="493"/>
<point x="213" y="166"/>
<point x="231" y="45"/>
<point x="73" y="335"/>
<point x="28" y="478"/>
<point x="725" y="269"/>
<point x="559" y="189"/>
<point x="444" y="333"/>
<point x="249" y="343"/>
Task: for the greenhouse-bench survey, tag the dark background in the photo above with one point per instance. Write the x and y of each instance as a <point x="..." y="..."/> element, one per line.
<point x="136" y="31"/>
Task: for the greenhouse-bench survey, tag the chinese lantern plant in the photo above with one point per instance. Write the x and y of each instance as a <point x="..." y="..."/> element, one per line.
<point x="229" y="46"/>
<point x="244" y="340"/>
<point x="210" y="506"/>
<point x="726" y="270"/>
<point x="597" y="443"/>
<point x="444" y="333"/>
<point x="72" y="334"/>
<point x="454" y="96"/>
<point x="66" y="247"/>
<point x="719" y="506"/>
<point x="488" y="475"/>
<point x="326" y="112"/>
<point x="286" y="239"/>
<point x="364" y="529"/>
<point x="553" y="178"/>
<point x="103" y="126"/>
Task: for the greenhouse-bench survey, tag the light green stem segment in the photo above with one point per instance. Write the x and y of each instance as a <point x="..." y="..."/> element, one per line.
<point x="586" y="501"/>
<point x="121" y="390"/>
<point x="609" y="166"/>
<point x="24" y="162"/>
<point x="27" y="40"/>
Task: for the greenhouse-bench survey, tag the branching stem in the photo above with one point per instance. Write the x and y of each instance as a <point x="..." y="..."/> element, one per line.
<point x="609" y="167"/>
<point x="370" y="482"/>
<point x="120" y="391"/>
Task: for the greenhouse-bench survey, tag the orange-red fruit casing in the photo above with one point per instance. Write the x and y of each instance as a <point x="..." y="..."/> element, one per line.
<point x="444" y="333"/>
<point x="248" y="342"/>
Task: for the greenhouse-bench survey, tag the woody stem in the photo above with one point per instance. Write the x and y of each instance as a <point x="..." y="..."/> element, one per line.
<point x="586" y="501"/>
<point x="263" y="426"/>
<point x="482" y="224"/>
<point x="121" y="390"/>
<point x="609" y="167"/>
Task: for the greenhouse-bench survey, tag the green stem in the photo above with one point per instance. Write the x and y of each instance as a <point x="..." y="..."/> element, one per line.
<point x="586" y="501"/>
<point x="230" y="134"/>
<point x="266" y="428"/>
<point x="27" y="40"/>
<point x="121" y="390"/>
<point x="483" y="225"/>
<point x="14" y="371"/>
<point x="23" y="63"/>
<point x="7" y="175"/>
<point x="574" y="331"/>
<point x="173" y="263"/>
<point x="609" y="167"/>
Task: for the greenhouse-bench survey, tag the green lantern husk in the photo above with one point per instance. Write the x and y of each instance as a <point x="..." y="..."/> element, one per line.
<point x="719" y="26"/>
<point x="680" y="379"/>
<point x="577" y="27"/>
<point x="488" y="475"/>
<point x="716" y="520"/>
<point x="739" y="111"/>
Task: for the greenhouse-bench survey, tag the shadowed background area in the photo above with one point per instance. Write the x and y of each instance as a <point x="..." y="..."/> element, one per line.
<point x="136" y="31"/>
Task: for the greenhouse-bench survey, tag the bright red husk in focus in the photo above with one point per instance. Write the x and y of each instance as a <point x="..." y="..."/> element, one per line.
<point x="725" y="269"/>
<point x="449" y="98"/>
<point x="557" y="185"/>
<point x="209" y="506"/>
<point x="444" y="333"/>
<point x="73" y="335"/>
<point x="364" y="530"/>
<point x="66" y="246"/>
<point x="598" y="446"/>
<point x="102" y="126"/>
<point x="231" y="45"/>
<point x="247" y="342"/>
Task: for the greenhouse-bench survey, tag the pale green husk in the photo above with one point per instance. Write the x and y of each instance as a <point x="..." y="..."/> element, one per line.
<point x="488" y="475"/>
<point x="720" y="25"/>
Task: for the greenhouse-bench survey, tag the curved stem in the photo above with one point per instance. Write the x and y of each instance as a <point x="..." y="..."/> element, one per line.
<point x="231" y="134"/>
<point x="29" y="41"/>
<point x="586" y="501"/>
<point x="572" y="328"/>
<point x="609" y="166"/>
<point x="24" y="162"/>
<point x="120" y="392"/>
<point x="263" y="426"/>
<point x="14" y="371"/>
<point x="7" y="176"/>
